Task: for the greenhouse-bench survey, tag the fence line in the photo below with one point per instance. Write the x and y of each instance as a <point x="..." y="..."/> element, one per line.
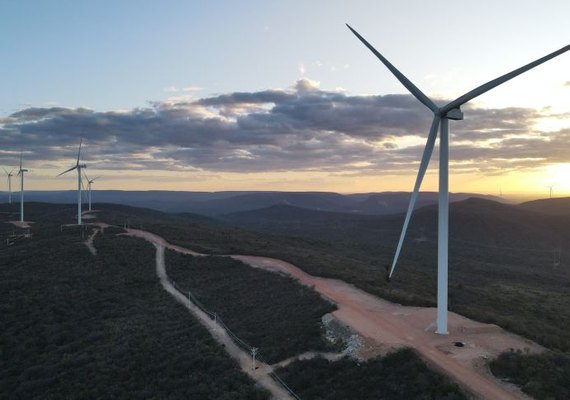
<point x="239" y="342"/>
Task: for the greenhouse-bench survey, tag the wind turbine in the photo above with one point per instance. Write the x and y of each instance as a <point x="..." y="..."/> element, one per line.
<point x="441" y="117"/>
<point x="9" y="175"/>
<point x="550" y="187"/>
<point x="21" y="172"/>
<point x="79" y="168"/>
<point x="89" y="183"/>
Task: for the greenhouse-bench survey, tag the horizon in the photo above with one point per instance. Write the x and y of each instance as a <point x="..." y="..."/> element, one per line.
<point x="513" y="198"/>
<point x="234" y="114"/>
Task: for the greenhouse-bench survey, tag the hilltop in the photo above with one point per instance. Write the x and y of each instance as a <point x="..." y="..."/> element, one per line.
<point x="555" y="206"/>
<point x="217" y="203"/>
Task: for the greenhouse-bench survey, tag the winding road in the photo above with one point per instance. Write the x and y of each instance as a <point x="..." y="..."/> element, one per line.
<point x="244" y="359"/>
<point x="383" y="322"/>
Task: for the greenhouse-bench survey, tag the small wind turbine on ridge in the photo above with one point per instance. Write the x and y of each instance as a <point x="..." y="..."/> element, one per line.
<point x="441" y="117"/>
<point x="21" y="172"/>
<point x="9" y="175"/>
<point x="551" y="187"/>
<point x="79" y="167"/>
<point x="89" y="184"/>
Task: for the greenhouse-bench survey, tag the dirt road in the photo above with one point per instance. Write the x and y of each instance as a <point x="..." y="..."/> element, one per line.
<point x="394" y="325"/>
<point x="261" y="373"/>
<point x="89" y="242"/>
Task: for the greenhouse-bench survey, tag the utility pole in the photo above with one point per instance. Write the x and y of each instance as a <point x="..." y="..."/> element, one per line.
<point x="254" y="351"/>
<point x="557" y="257"/>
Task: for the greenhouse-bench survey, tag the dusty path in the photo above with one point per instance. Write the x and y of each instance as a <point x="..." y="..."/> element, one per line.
<point x="309" y="355"/>
<point x="89" y="242"/>
<point x="20" y="224"/>
<point x="261" y="373"/>
<point x="398" y="326"/>
<point x="394" y="325"/>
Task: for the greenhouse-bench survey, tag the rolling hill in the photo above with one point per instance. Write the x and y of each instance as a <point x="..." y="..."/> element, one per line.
<point x="556" y="206"/>
<point x="217" y="203"/>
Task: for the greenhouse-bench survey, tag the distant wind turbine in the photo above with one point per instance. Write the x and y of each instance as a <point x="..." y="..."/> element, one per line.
<point x="21" y="172"/>
<point x="551" y="187"/>
<point x="89" y="184"/>
<point x="441" y="116"/>
<point x="79" y="168"/>
<point x="9" y="175"/>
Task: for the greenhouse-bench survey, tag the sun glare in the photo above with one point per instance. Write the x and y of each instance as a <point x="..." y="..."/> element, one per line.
<point x="559" y="176"/>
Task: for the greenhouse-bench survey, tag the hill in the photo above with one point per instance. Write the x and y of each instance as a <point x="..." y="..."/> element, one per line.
<point x="556" y="206"/>
<point x="507" y="265"/>
<point x="216" y="203"/>
<point x="75" y="325"/>
<point x="480" y="221"/>
<point x="99" y="325"/>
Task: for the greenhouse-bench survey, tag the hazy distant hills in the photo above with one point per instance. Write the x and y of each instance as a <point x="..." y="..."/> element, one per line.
<point x="473" y="222"/>
<point x="217" y="203"/>
<point x="556" y="206"/>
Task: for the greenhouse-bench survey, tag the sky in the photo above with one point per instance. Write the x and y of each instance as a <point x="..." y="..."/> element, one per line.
<point x="257" y="95"/>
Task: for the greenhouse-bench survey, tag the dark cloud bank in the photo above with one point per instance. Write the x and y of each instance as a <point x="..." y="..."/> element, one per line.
<point x="304" y="128"/>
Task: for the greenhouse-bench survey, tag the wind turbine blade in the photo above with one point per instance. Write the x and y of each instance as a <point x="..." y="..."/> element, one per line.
<point x="79" y="152"/>
<point x="70" y="169"/>
<point x="7" y="173"/>
<point x="500" y="80"/>
<point x="421" y="172"/>
<point x="20" y="161"/>
<point x="418" y="94"/>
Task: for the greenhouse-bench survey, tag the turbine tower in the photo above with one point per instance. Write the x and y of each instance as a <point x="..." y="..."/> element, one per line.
<point x="551" y="187"/>
<point x="9" y="175"/>
<point x="79" y="168"/>
<point x="21" y="172"/>
<point x="441" y="117"/>
<point x="89" y="183"/>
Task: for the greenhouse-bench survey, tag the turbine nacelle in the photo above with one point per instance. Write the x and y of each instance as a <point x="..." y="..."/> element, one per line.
<point x="454" y="114"/>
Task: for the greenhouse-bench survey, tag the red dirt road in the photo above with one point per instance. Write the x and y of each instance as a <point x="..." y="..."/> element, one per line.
<point x="261" y="373"/>
<point x="394" y="325"/>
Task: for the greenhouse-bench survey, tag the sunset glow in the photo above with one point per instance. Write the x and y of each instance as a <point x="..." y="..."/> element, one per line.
<point x="277" y="106"/>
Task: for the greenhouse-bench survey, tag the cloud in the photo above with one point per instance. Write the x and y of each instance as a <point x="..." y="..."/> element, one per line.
<point x="300" y="128"/>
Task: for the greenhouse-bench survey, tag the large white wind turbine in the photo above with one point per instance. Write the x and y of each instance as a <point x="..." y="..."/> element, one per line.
<point x="21" y="172"/>
<point x="441" y="117"/>
<point x="89" y="183"/>
<point x="9" y="175"/>
<point x="79" y="168"/>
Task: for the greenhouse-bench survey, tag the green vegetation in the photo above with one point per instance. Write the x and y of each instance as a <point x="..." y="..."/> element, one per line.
<point x="79" y="326"/>
<point x="543" y="376"/>
<point x="266" y="310"/>
<point x="520" y="291"/>
<point x="399" y="375"/>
